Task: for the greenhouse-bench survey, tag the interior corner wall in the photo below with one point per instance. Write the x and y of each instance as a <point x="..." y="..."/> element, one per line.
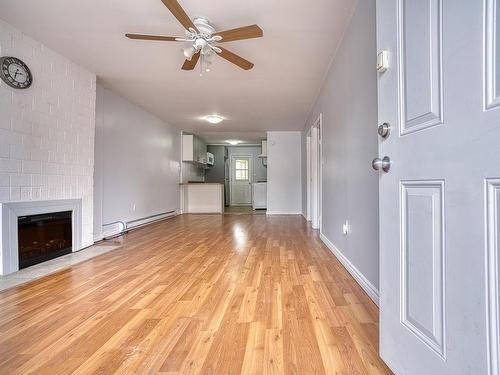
<point x="348" y="103"/>
<point x="284" y="161"/>
<point x="137" y="157"/>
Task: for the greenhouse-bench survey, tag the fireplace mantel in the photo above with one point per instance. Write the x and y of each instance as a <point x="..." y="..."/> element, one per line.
<point x="9" y="260"/>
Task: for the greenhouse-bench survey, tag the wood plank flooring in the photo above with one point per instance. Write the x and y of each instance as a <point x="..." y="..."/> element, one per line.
<point x="197" y="294"/>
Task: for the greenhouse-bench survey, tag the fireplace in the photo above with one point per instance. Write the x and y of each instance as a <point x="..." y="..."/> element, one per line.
<point x="43" y="237"/>
<point x="10" y="230"/>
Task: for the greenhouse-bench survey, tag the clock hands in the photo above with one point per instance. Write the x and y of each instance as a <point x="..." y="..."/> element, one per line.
<point x="18" y="73"/>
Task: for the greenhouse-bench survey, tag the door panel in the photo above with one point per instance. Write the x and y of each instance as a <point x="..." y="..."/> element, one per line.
<point x="420" y="64"/>
<point x="492" y="54"/>
<point x="493" y="272"/>
<point x="422" y="266"/>
<point x="438" y="223"/>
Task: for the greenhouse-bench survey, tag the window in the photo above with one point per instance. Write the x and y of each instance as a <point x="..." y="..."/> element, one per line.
<point x="241" y="170"/>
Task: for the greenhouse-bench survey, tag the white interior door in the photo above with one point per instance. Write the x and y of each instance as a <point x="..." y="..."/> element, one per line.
<point x="241" y="180"/>
<point x="308" y="177"/>
<point x="440" y="200"/>
<point x="315" y="175"/>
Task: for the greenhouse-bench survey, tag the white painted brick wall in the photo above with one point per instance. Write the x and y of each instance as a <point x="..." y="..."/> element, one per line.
<point x="47" y="131"/>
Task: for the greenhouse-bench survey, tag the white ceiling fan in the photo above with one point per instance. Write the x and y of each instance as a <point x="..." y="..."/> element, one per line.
<point x="203" y="37"/>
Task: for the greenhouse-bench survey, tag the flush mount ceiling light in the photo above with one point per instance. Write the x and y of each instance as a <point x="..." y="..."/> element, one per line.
<point x="233" y="142"/>
<point x="214" y="119"/>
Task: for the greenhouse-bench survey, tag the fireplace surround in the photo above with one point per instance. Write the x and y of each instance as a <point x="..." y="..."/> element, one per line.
<point x="12" y="211"/>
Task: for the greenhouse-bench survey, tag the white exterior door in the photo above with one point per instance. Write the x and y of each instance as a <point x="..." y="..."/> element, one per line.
<point x="241" y="183"/>
<point x="440" y="200"/>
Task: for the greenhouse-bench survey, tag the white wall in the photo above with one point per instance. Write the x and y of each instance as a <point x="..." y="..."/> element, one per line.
<point x="348" y="102"/>
<point x="137" y="162"/>
<point x="47" y="130"/>
<point x="284" y="161"/>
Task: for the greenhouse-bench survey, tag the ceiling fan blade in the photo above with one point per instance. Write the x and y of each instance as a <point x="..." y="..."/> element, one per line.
<point x="245" y="32"/>
<point x="190" y="64"/>
<point x="235" y="59"/>
<point x="180" y="14"/>
<point x="152" y="37"/>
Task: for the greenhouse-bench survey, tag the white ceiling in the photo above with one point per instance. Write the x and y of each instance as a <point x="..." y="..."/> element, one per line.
<point x="291" y="59"/>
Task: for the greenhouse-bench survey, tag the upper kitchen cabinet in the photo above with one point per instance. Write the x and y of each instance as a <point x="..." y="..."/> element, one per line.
<point x="194" y="149"/>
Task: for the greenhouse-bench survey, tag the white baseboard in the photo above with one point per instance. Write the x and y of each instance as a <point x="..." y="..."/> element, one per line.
<point x="139" y="224"/>
<point x="283" y="213"/>
<point x="367" y="286"/>
<point x="145" y="222"/>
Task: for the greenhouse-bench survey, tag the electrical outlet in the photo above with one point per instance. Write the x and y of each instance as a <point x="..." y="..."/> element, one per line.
<point x="346" y="229"/>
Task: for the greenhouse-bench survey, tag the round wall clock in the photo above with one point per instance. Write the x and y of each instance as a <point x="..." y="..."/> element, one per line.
<point x="15" y="72"/>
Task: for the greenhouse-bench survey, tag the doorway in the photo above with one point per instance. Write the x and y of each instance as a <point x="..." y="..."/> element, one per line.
<point x="313" y="149"/>
<point x="241" y="180"/>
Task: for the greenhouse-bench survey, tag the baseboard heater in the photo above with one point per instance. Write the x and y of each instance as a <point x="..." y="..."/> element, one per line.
<point x="127" y="226"/>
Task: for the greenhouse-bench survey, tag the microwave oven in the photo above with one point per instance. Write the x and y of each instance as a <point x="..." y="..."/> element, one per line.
<point x="210" y="158"/>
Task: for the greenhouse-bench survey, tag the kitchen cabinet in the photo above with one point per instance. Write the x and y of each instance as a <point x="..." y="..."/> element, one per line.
<point x="194" y="149"/>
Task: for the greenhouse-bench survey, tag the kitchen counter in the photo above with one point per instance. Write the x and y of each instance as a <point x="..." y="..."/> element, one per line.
<point x="202" y="197"/>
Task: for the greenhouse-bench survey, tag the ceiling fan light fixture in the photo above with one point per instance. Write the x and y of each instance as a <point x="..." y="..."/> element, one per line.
<point x="201" y="35"/>
<point x="233" y="142"/>
<point x="200" y="43"/>
<point x="214" y="119"/>
<point x="189" y="52"/>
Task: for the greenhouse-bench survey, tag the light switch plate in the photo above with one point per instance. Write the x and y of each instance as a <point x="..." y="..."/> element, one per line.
<point x="382" y="61"/>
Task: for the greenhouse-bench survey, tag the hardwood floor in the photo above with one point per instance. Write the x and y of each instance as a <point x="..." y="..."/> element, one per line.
<point x="196" y="294"/>
<point x="242" y="210"/>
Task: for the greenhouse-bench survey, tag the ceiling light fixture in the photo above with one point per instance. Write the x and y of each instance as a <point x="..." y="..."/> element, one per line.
<point x="204" y="40"/>
<point x="214" y="119"/>
<point x="189" y="52"/>
<point x="233" y="142"/>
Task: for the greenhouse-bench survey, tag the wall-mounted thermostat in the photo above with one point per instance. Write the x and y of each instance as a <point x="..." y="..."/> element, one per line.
<point x="382" y="61"/>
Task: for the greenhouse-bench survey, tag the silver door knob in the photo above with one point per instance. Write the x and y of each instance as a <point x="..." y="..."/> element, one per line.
<point x="382" y="164"/>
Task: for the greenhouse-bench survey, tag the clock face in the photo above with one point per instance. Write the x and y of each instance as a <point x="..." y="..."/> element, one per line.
<point x="15" y="73"/>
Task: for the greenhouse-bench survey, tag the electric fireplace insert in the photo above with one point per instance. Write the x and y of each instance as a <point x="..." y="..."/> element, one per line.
<point x="43" y="237"/>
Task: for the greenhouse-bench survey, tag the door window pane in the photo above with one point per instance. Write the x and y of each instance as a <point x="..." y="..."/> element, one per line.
<point x="241" y="170"/>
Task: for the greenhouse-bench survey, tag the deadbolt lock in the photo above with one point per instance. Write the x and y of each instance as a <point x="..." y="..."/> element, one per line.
<point x="384" y="130"/>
